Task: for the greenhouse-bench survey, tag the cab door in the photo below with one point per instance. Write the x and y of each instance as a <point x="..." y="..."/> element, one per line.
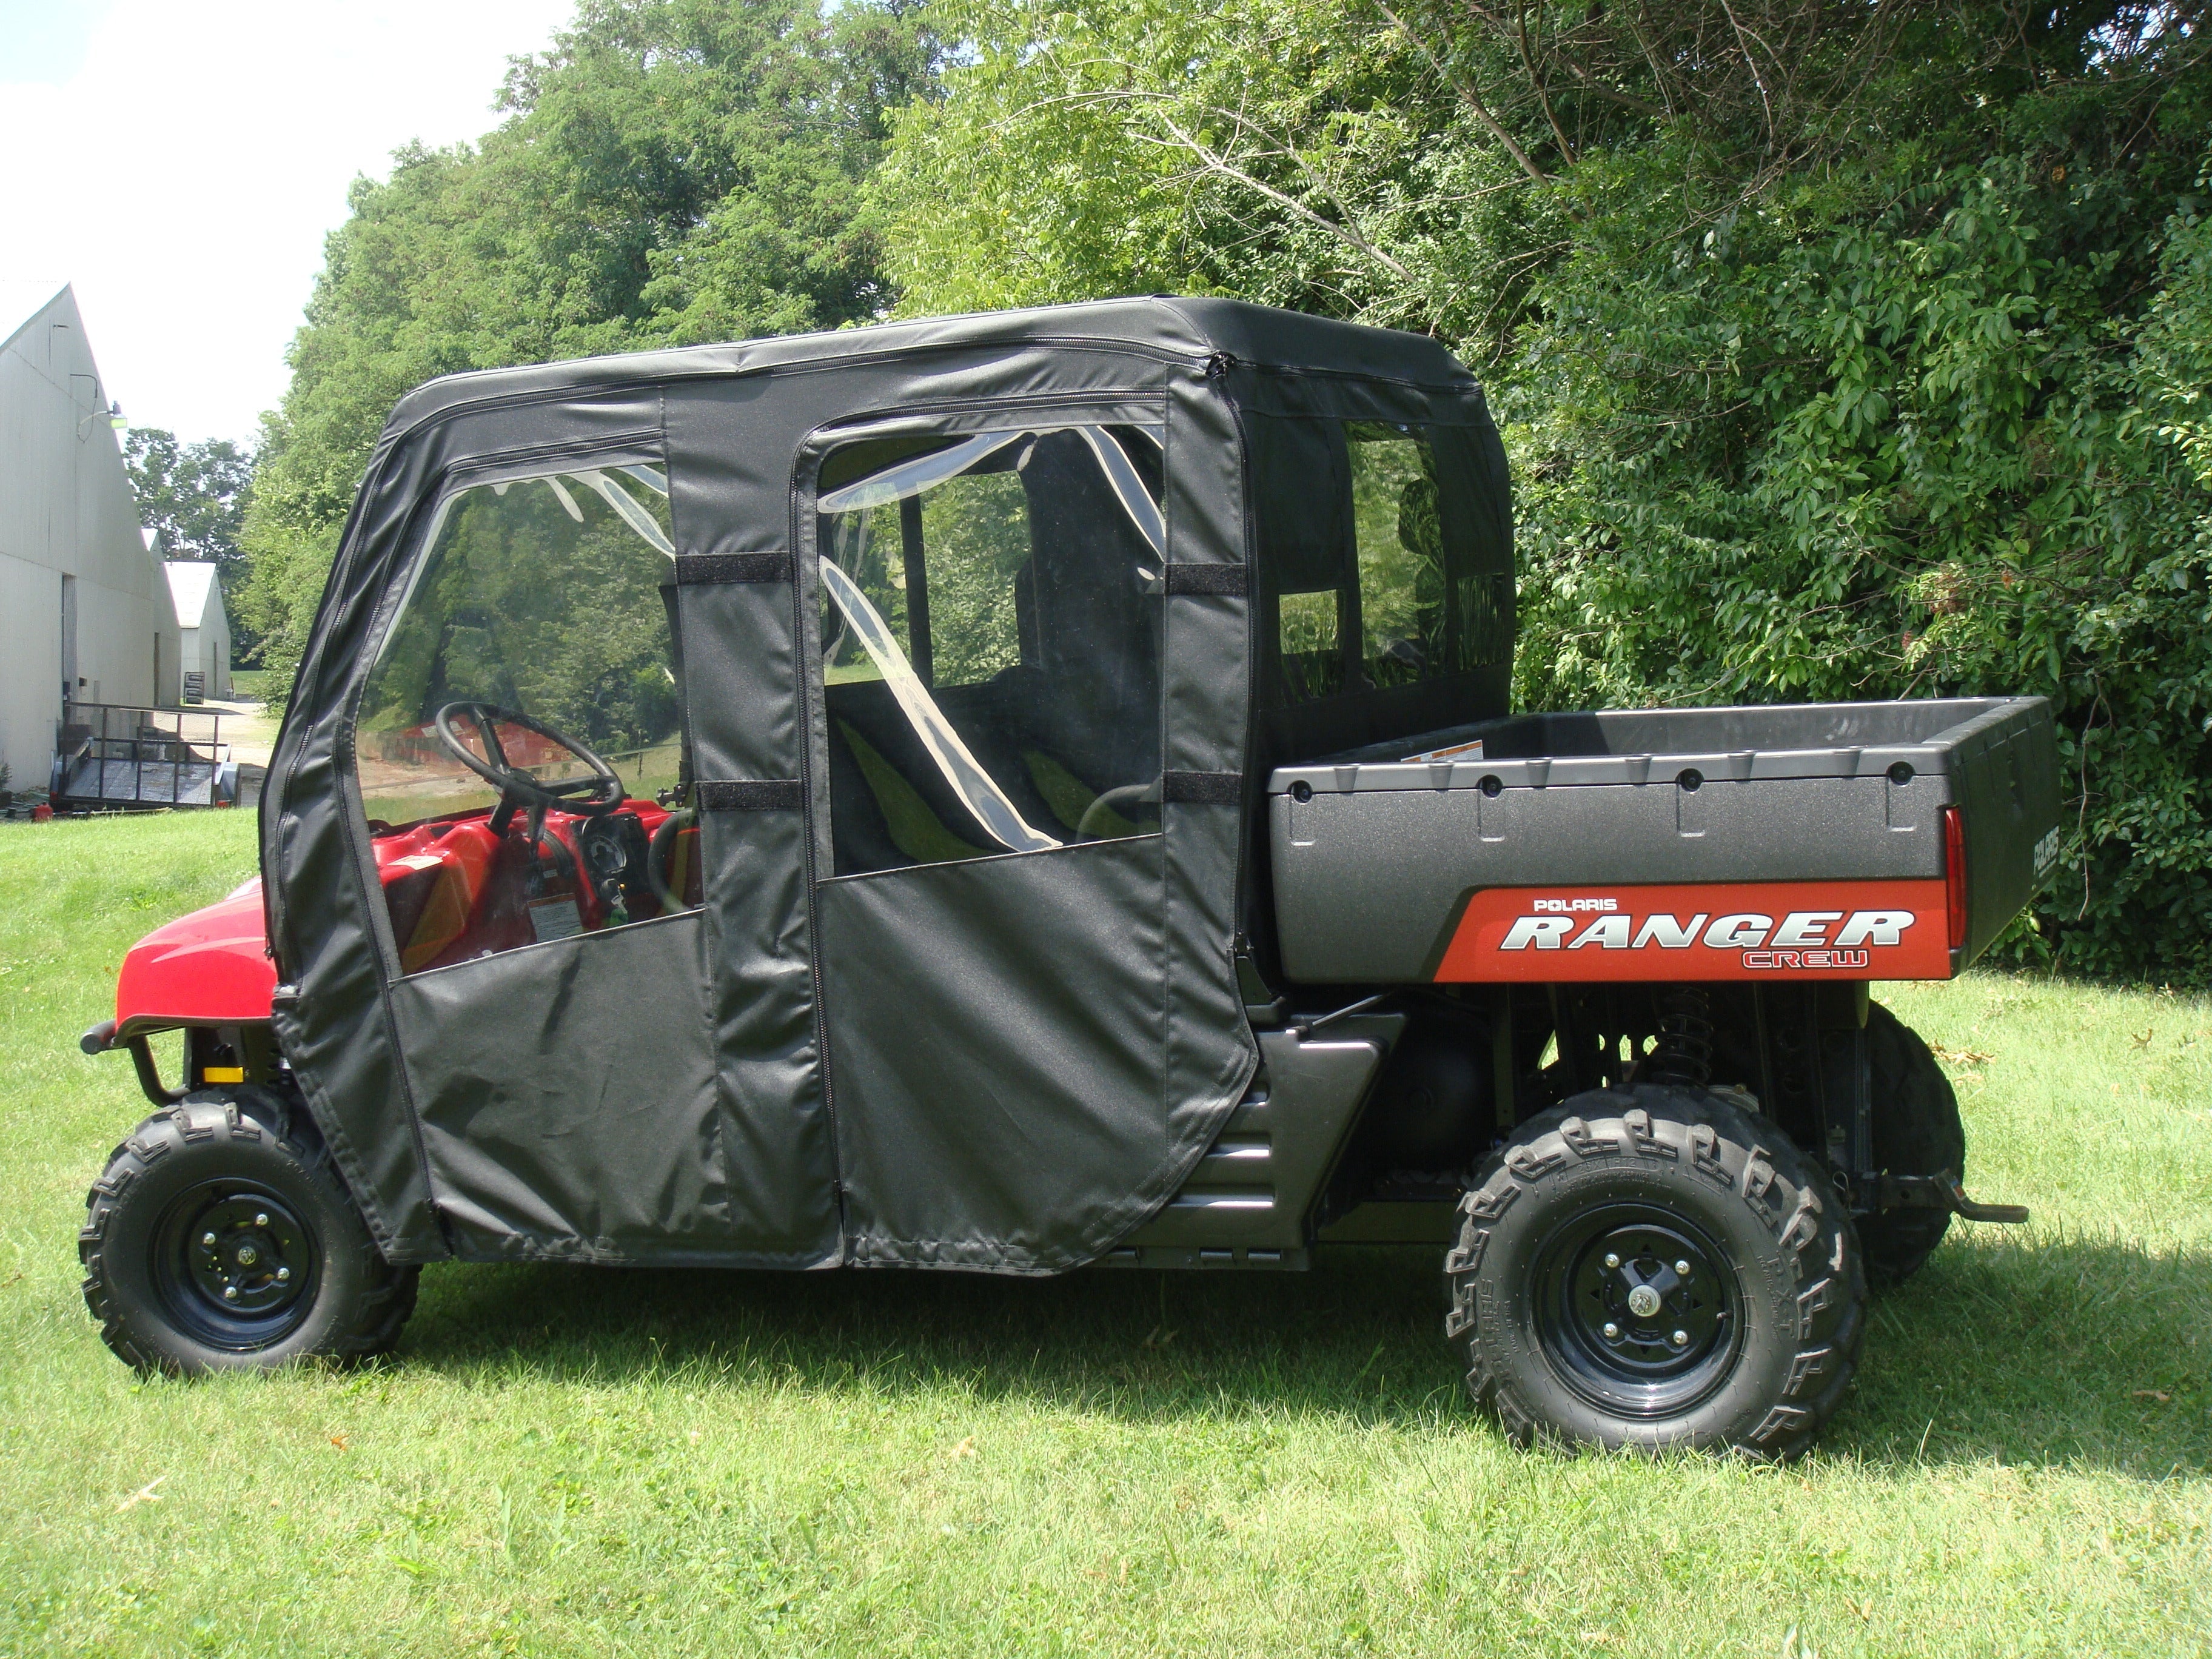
<point x="1003" y="927"/>
<point x="548" y="969"/>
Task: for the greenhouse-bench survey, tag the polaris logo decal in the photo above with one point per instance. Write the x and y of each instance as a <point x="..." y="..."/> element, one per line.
<point x="1843" y="930"/>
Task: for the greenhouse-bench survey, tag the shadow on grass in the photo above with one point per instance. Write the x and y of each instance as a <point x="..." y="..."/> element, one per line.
<point x="2050" y="1351"/>
<point x="1361" y="1334"/>
<point x="2040" y="1350"/>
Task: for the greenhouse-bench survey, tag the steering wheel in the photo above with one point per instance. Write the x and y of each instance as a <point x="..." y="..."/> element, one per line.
<point x="601" y="792"/>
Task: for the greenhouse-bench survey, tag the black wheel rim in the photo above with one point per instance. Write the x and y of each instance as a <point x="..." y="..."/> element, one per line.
<point x="234" y="1265"/>
<point x="1638" y="1310"/>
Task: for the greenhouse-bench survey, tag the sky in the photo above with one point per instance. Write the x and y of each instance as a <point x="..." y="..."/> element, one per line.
<point x="181" y="163"/>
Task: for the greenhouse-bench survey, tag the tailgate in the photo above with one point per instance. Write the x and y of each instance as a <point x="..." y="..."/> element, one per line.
<point x="2003" y="773"/>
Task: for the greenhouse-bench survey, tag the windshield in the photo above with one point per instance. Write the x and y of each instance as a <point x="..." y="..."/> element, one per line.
<point x="542" y="595"/>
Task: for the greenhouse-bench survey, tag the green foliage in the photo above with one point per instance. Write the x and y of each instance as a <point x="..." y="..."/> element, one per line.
<point x="1272" y="148"/>
<point x="1842" y="352"/>
<point x="195" y="495"/>
<point x="1914" y="456"/>
<point x="672" y="171"/>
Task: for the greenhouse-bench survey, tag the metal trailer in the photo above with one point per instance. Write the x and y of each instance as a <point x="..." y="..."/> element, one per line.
<point x="113" y="757"/>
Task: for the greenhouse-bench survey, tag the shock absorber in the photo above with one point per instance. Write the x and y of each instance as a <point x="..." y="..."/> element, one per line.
<point x="1684" y="1054"/>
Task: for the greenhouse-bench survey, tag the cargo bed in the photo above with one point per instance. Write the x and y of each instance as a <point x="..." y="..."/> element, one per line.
<point x="1813" y="840"/>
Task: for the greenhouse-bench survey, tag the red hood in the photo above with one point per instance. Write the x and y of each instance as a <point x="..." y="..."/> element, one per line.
<point x="211" y="967"/>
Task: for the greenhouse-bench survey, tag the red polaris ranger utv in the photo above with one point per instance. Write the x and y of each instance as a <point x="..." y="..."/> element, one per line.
<point x="1020" y="793"/>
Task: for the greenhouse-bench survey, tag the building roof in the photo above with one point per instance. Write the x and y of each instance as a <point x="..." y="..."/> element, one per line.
<point x="23" y="298"/>
<point x="190" y="585"/>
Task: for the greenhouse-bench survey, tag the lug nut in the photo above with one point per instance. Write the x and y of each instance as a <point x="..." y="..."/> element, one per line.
<point x="230" y="1292"/>
<point x="261" y="1220"/>
<point x="1681" y="1338"/>
<point x="283" y="1276"/>
<point x="207" y="1239"/>
<point x="1610" y="1260"/>
<point x="1612" y="1329"/>
<point x="1682" y="1269"/>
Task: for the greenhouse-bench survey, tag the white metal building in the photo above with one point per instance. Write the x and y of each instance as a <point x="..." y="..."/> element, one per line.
<point x="203" y="629"/>
<point x="85" y="611"/>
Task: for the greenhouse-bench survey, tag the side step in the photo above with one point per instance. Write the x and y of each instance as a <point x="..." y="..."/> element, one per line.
<point x="1247" y="1198"/>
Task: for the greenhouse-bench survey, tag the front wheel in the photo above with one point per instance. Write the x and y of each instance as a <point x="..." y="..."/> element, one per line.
<point x="219" y="1238"/>
<point x="1655" y="1267"/>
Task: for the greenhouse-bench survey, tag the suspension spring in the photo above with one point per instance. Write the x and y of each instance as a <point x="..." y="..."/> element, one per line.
<point x="1684" y="1054"/>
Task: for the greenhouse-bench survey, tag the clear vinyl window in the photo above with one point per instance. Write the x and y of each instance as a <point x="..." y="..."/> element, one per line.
<point x="1399" y="538"/>
<point x="1369" y="550"/>
<point x="518" y="740"/>
<point x="990" y="641"/>
<point x="1306" y="630"/>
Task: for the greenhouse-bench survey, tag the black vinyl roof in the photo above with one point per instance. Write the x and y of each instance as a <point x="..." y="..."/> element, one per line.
<point x="1190" y="330"/>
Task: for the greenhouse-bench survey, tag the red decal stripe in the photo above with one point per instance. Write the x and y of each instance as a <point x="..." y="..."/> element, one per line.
<point x="1733" y="931"/>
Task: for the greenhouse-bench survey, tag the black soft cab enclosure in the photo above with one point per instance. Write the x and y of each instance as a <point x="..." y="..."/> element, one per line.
<point x="1015" y="793"/>
<point x="926" y="658"/>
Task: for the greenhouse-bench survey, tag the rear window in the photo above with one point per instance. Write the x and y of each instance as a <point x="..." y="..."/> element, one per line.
<point x="1372" y="561"/>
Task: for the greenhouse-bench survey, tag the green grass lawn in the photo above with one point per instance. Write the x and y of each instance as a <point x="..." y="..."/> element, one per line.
<point x="560" y="1460"/>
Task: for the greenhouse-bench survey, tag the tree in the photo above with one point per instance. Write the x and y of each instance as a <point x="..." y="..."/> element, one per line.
<point x="671" y="171"/>
<point x="195" y="495"/>
<point x="1843" y="350"/>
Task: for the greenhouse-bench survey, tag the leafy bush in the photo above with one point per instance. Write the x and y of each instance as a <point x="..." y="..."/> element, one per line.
<point x="1842" y="352"/>
<point x="1923" y="453"/>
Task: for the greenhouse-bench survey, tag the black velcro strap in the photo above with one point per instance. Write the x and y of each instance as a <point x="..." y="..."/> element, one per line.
<point x="693" y="569"/>
<point x="1229" y="580"/>
<point x="1202" y="788"/>
<point x="753" y="795"/>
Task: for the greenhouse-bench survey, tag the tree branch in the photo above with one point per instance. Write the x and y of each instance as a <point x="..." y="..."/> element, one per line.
<point x="1221" y="166"/>
<point x="1210" y="161"/>
<point x="1536" y="79"/>
<point x="1591" y="84"/>
<point x="1469" y="97"/>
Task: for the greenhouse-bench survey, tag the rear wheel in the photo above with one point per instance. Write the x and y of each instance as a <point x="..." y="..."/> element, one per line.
<point x="219" y="1238"/>
<point x="1656" y="1268"/>
<point x="1916" y="1131"/>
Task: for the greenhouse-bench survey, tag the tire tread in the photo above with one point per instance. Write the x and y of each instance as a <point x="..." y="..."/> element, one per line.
<point x="1736" y="1152"/>
<point x="1916" y="1131"/>
<point x="247" y="1116"/>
